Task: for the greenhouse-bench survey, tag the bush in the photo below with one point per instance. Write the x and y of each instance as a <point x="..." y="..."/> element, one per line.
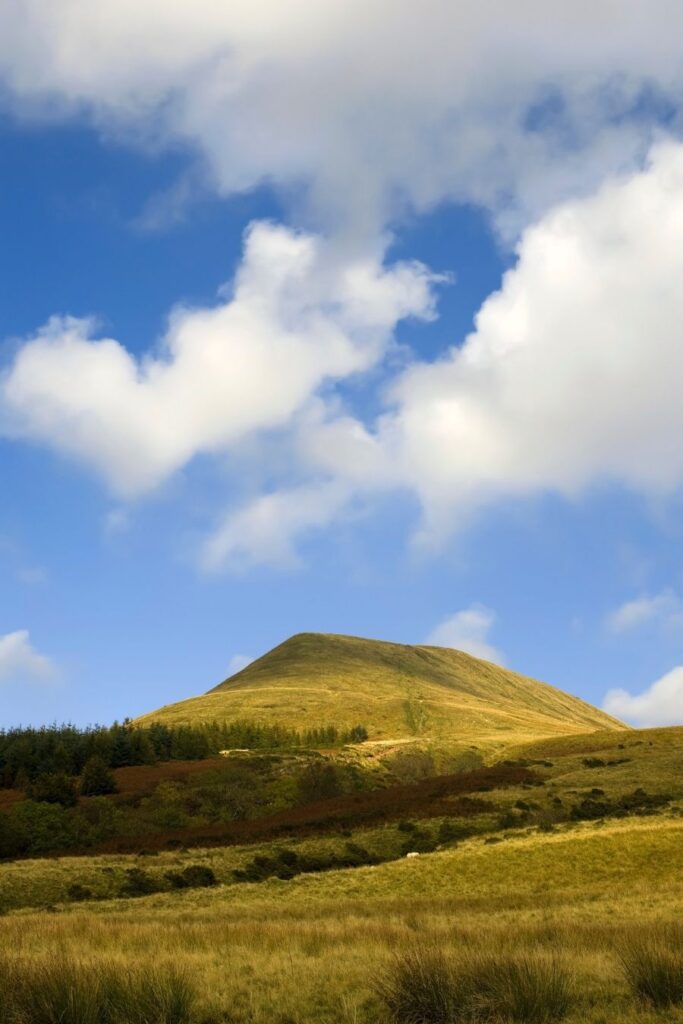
<point x="318" y="781"/>
<point x="139" y="883"/>
<point x="77" y="893"/>
<point x="423" y="987"/>
<point x="54" y="788"/>
<point x="97" y="778"/>
<point x="288" y="863"/>
<point x="195" y="876"/>
<point x="420" y="842"/>
<point x="454" y="830"/>
<point x="653" y="968"/>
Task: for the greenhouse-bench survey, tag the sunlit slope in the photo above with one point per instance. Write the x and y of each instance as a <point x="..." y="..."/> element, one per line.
<point x="396" y="691"/>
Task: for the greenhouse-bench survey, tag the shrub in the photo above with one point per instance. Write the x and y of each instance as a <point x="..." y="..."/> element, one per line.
<point x="423" y="987"/>
<point x="420" y="842"/>
<point x="288" y="863"/>
<point x="195" y="876"/>
<point x="78" y="892"/>
<point x="653" y="968"/>
<point x="318" y="781"/>
<point x="54" y="788"/>
<point x="140" y="883"/>
<point x="97" y="778"/>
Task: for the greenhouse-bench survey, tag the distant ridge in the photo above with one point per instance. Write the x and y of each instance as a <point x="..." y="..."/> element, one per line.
<point x="396" y="691"/>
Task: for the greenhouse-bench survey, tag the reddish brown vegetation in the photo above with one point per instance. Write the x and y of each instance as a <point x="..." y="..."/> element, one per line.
<point x="10" y="797"/>
<point x="142" y="780"/>
<point x="446" y="795"/>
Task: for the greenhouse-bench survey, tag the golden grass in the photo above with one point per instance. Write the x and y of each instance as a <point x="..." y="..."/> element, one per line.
<point x="642" y="758"/>
<point x="308" y="951"/>
<point x="396" y="691"/>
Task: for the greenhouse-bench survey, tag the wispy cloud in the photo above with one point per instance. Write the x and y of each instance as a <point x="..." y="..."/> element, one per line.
<point x="468" y="630"/>
<point x="664" y="609"/>
<point x="20" y="661"/>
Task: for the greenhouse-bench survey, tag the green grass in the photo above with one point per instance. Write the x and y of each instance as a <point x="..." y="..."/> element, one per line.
<point x="397" y="691"/>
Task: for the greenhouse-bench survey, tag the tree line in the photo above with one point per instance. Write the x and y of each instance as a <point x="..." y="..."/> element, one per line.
<point x="27" y="754"/>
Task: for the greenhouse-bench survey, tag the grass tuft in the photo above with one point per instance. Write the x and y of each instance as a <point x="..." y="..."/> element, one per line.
<point x="59" y="991"/>
<point x="424" y="987"/>
<point x="653" y="966"/>
<point x="417" y="988"/>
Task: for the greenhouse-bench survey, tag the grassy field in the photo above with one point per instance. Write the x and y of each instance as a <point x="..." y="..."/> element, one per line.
<point x="394" y="690"/>
<point x="310" y="950"/>
<point x="566" y="898"/>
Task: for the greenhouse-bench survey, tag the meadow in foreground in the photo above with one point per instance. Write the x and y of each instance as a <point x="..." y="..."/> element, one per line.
<point x="567" y="908"/>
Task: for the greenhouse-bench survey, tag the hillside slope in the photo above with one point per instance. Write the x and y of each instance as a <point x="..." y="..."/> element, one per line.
<point x="396" y="691"/>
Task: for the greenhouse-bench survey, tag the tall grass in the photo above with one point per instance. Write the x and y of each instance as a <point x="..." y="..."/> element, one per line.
<point x="418" y="988"/>
<point x="653" y="966"/>
<point x="57" y="990"/>
<point x="424" y="987"/>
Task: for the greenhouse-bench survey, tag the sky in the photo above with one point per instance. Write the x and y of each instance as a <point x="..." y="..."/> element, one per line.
<point x="350" y="317"/>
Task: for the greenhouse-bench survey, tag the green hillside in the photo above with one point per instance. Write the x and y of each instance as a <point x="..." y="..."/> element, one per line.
<point x="398" y="692"/>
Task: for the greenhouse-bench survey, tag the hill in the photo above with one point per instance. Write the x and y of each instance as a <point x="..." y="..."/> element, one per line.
<point x="397" y="691"/>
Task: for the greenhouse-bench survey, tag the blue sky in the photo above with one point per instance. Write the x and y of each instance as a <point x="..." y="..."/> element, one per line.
<point x="390" y="355"/>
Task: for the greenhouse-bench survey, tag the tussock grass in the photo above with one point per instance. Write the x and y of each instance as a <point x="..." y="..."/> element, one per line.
<point x="423" y="986"/>
<point x="418" y="988"/>
<point x="652" y="962"/>
<point x="61" y="990"/>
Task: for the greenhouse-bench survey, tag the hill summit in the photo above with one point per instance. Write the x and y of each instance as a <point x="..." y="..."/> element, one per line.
<point x="396" y="691"/>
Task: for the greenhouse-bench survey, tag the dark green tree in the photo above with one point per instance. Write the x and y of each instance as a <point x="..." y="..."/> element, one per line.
<point x="318" y="781"/>
<point x="97" y="778"/>
<point x="54" y="788"/>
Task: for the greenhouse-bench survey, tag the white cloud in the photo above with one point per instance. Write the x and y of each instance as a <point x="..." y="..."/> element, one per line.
<point x="299" y="315"/>
<point x="264" y="531"/>
<point x="571" y="378"/>
<point x="665" y="608"/>
<point x="19" y="661"/>
<point x="238" y="662"/>
<point x="363" y="103"/>
<point x="468" y="630"/>
<point x="659" y="704"/>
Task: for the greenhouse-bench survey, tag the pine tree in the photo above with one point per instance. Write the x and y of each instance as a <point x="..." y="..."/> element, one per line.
<point x="97" y="778"/>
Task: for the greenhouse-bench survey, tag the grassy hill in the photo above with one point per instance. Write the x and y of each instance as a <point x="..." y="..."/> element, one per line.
<point x="396" y="691"/>
<point x="513" y="875"/>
